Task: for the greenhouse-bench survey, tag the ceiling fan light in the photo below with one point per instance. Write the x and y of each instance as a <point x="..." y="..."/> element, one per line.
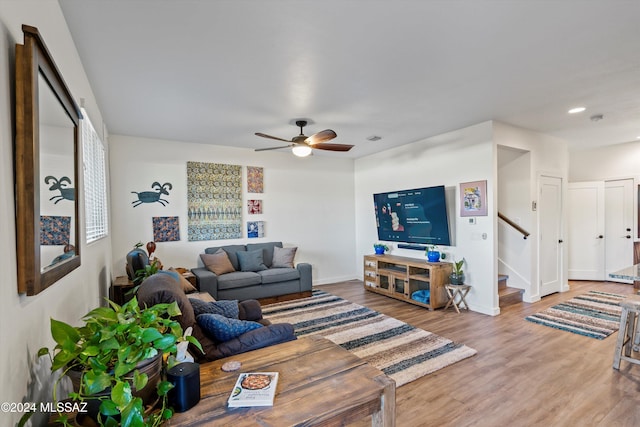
<point x="301" y="150"/>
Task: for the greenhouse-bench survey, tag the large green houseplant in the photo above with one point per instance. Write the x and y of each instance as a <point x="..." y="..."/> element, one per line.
<point x="106" y="353"/>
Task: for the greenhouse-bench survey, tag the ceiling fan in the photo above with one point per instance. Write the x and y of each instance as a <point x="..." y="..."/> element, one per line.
<point x="302" y="145"/>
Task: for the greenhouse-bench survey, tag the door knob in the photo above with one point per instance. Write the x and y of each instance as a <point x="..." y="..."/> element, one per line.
<point x="628" y="229"/>
<point x="600" y="236"/>
<point x="560" y="241"/>
<point x="628" y="236"/>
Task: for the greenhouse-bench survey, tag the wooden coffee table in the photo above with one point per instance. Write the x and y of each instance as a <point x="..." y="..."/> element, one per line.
<point x="320" y="384"/>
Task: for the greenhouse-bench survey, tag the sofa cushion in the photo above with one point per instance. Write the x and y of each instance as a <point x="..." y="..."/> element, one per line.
<point x="276" y="275"/>
<point x="224" y="329"/>
<point x="218" y="262"/>
<point x="239" y="279"/>
<point x="267" y="250"/>
<point x="226" y="308"/>
<point x="251" y="260"/>
<point x="231" y="252"/>
<point x="283" y="257"/>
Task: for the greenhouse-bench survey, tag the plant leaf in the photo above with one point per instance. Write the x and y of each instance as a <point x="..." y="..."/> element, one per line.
<point x="164" y="387"/>
<point x="63" y="333"/>
<point x="140" y="380"/>
<point x="95" y="382"/>
<point x="150" y="334"/>
<point x="132" y="414"/>
<point x="165" y="342"/>
<point x="121" y="394"/>
<point x="108" y="407"/>
<point x="104" y="314"/>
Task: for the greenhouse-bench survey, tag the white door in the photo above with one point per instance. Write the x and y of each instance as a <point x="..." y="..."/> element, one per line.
<point x="618" y="226"/>
<point x="550" y="228"/>
<point x="585" y="237"/>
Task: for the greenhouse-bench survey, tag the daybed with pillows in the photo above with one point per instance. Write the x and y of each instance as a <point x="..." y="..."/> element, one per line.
<point x="252" y="271"/>
<point x="224" y="328"/>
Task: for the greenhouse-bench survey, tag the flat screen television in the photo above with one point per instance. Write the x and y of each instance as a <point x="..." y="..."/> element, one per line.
<point x="413" y="216"/>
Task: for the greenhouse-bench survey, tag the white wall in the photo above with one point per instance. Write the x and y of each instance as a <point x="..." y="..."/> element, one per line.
<point x="611" y="162"/>
<point x="460" y="156"/>
<point x="514" y="201"/>
<point x="307" y="202"/>
<point x="550" y="157"/>
<point x="24" y="321"/>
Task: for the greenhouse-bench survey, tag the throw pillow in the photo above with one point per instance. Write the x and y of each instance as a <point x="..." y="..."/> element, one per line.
<point x="226" y="308"/>
<point x="224" y="329"/>
<point x="283" y="257"/>
<point x="187" y="287"/>
<point x="251" y="260"/>
<point x="217" y="262"/>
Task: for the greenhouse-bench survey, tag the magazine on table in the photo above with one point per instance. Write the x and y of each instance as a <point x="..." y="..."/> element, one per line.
<point x="254" y="389"/>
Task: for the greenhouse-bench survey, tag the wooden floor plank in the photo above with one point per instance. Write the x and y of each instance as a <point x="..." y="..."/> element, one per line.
<point x="523" y="375"/>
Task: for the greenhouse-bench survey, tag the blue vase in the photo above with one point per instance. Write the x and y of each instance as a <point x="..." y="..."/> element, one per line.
<point x="433" y="256"/>
<point x="379" y="250"/>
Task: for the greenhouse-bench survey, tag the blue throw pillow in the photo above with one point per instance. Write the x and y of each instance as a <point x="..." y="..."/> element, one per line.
<point x="224" y="329"/>
<point x="226" y="308"/>
<point x="251" y="260"/>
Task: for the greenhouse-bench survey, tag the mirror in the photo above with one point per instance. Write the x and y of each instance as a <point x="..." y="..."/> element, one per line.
<point x="47" y="119"/>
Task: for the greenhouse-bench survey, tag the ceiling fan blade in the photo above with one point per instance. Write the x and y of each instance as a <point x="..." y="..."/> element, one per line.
<point x="273" y="148"/>
<point x="333" y="147"/>
<point x="264" y="135"/>
<point x="320" y="137"/>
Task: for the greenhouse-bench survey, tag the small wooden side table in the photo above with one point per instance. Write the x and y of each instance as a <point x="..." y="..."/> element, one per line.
<point x="460" y="292"/>
<point x="119" y="289"/>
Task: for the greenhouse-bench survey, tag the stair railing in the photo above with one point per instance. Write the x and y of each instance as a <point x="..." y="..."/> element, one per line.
<point x="522" y="231"/>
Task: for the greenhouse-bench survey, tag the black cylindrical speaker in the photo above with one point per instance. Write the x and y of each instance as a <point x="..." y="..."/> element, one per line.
<point x="186" y="391"/>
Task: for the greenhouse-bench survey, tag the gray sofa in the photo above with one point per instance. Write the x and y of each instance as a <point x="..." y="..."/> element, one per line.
<point x="242" y="285"/>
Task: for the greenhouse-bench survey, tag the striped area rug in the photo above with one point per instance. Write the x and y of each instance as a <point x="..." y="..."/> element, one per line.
<point x="594" y="314"/>
<point x="401" y="351"/>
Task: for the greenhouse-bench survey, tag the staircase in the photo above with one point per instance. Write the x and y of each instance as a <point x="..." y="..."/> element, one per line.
<point x="507" y="295"/>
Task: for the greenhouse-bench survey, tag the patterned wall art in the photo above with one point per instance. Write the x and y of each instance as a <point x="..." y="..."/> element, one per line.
<point x="254" y="207"/>
<point x="473" y="198"/>
<point x="255" y="179"/>
<point x="214" y="198"/>
<point x="55" y="230"/>
<point x="255" y="229"/>
<point x="153" y="196"/>
<point x="166" y="228"/>
<point x="61" y="186"/>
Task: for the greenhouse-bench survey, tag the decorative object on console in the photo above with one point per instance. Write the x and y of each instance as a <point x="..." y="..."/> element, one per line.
<point x="473" y="198"/>
<point x="254" y="207"/>
<point x="255" y="229"/>
<point x="255" y="179"/>
<point x="457" y="275"/>
<point x="380" y="248"/>
<point x="153" y="196"/>
<point x="433" y="254"/>
<point x="214" y="198"/>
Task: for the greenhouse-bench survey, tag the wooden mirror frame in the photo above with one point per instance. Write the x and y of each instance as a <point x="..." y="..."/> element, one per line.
<point x="33" y="60"/>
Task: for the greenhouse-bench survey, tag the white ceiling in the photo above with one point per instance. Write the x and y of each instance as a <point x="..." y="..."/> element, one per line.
<point x="215" y="72"/>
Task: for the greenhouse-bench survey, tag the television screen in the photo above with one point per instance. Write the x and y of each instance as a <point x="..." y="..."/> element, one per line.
<point x="413" y="216"/>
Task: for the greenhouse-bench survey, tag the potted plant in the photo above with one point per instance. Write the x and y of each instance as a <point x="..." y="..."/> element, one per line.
<point x="433" y="254"/>
<point x="457" y="276"/>
<point x="380" y="248"/>
<point x="116" y="357"/>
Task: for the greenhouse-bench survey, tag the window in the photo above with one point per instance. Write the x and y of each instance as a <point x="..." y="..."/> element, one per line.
<point x="95" y="182"/>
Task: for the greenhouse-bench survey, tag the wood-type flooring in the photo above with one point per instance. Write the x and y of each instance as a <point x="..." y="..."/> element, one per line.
<point x="523" y="375"/>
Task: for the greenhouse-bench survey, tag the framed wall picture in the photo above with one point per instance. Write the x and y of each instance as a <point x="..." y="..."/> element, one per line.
<point x="473" y="198"/>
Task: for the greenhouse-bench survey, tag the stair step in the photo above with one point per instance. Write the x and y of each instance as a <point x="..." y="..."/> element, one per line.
<point x="507" y="291"/>
<point x="502" y="280"/>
